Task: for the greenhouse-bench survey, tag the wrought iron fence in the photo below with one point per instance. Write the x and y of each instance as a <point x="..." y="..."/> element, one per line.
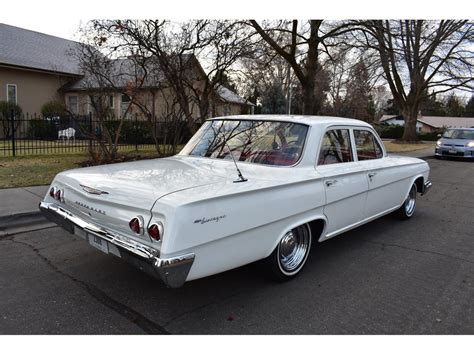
<point x="36" y="135"/>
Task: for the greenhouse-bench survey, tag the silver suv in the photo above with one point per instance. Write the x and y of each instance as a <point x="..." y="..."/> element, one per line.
<point x="456" y="142"/>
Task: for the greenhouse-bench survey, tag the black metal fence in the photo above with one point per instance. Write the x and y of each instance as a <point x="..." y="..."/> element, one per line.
<point x="36" y="135"/>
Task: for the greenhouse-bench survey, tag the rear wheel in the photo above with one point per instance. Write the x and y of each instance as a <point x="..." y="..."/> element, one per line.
<point x="290" y="256"/>
<point x="407" y="210"/>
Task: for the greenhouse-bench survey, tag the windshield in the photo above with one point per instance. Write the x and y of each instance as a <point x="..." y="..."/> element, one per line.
<point x="251" y="141"/>
<point x="459" y="134"/>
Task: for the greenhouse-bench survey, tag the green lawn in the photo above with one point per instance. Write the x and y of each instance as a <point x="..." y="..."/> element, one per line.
<point x="41" y="169"/>
<point x="38" y="147"/>
<point x="391" y="147"/>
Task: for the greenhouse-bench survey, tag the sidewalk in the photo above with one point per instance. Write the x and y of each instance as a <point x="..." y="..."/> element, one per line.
<point x="21" y="200"/>
<point x="421" y="153"/>
<point x="19" y="210"/>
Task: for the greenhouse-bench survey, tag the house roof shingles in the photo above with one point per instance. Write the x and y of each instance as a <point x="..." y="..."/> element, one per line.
<point x="121" y="73"/>
<point x="437" y="121"/>
<point x="230" y="96"/>
<point x="452" y="122"/>
<point x="35" y="50"/>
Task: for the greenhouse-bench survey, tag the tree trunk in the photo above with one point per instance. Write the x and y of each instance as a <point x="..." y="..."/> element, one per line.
<point x="310" y="101"/>
<point x="410" y="116"/>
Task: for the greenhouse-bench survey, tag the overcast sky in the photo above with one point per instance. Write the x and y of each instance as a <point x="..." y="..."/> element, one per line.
<point x="62" y="18"/>
<point x="64" y="28"/>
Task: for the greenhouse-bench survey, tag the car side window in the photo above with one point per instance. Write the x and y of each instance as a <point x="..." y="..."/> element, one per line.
<point x="367" y="145"/>
<point x="336" y="147"/>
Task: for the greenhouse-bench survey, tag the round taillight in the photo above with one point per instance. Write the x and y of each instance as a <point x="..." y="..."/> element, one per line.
<point x="58" y="195"/>
<point x="134" y="225"/>
<point x="52" y="192"/>
<point x="154" y="232"/>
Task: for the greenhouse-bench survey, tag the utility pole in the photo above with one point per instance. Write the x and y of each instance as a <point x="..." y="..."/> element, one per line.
<point x="289" y="100"/>
<point x="288" y="92"/>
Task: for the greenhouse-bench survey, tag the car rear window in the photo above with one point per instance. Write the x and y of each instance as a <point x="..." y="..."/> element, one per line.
<point x="251" y="141"/>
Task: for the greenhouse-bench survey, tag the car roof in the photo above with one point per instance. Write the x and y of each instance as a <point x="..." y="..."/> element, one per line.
<point x="322" y="121"/>
<point x="461" y="129"/>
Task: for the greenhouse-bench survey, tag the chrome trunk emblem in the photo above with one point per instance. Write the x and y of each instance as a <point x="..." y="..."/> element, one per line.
<point x="90" y="208"/>
<point x="91" y="190"/>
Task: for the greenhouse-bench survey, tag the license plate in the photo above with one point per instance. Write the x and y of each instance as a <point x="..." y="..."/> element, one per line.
<point x="452" y="151"/>
<point x="99" y="243"/>
<point x="80" y="233"/>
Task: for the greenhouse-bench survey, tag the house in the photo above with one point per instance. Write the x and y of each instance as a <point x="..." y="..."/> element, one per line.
<point x="125" y="88"/>
<point x="36" y="68"/>
<point x="428" y="124"/>
<point x="33" y="67"/>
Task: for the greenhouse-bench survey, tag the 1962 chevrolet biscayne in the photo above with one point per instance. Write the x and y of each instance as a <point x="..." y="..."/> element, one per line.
<point x="244" y="188"/>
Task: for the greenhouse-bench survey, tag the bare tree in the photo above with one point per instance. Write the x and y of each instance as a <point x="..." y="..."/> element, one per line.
<point x="175" y="48"/>
<point x="226" y="42"/>
<point x="99" y="82"/>
<point x="301" y="45"/>
<point x="418" y="57"/>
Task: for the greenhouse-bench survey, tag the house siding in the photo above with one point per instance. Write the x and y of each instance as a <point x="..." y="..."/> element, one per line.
<point x="163" y="102"/>
<point x="33" y="88"/>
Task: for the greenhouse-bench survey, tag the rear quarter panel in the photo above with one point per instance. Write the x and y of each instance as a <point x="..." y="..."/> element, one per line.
<point x="232" y="224"/>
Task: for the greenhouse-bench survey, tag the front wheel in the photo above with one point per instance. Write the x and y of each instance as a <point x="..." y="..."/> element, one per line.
<point x="290" y="256"/>
<point x="407" y="210"/>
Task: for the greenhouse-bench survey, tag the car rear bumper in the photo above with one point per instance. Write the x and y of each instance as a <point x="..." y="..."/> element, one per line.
<point x="173" y="271"/>
<point x="426" y="187"/>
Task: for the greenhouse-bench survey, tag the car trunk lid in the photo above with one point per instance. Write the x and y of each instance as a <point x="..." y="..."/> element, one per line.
<point x="111" y="195"/>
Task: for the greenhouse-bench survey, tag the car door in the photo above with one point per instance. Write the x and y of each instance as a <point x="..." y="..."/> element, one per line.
<point x="344" y="180"/>
<point x="384" y="183"/>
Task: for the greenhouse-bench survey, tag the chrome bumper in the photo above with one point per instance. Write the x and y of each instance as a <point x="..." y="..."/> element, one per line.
<point x="426" y="187"/>
<point x="173" y="271"/>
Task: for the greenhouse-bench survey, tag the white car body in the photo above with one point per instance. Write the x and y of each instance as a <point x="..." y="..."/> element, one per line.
<point x="210" y="223"/>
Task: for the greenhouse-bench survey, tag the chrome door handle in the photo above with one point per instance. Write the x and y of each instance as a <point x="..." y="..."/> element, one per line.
<point x="330" y="182"/>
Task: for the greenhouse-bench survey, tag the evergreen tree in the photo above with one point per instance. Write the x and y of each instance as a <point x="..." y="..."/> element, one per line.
<point x="274" y="100"/>
<point x="432" y="107"/>
<point x="469" y="108"/>
<point x="358" y="95"/>
<point x="454" y="108"/>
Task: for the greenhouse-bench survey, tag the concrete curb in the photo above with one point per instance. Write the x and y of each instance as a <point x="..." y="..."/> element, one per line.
<point x="23" y="222"/>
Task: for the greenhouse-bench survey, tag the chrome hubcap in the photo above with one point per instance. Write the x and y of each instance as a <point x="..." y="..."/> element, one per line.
<point x="410" y="201"/>
<point x="293" y="248"/>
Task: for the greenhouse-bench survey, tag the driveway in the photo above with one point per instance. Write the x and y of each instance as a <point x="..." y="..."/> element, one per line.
<point x="387" y="277"/>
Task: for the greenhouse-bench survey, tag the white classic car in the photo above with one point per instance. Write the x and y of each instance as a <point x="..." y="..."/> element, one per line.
<point x="244" y="188"/>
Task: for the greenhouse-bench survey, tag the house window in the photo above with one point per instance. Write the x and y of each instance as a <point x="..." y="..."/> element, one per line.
<point x="124" y="106"/>
<point x="227" y="110"/>
<point x="73" y="104"/>
<point x="111" y="101"/>
<point x="11" y="93"/>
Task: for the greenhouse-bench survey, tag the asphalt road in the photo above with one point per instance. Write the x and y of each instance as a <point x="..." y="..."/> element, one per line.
<point x="387" y="277"/>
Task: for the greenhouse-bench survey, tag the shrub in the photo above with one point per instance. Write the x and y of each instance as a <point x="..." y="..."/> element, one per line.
<point x="53" y="108"/>
<point x="42" y="129"/>
<point x="6" y="109"/>
<point x="431" y="136"/>
<point x="132" y="132"/>
<point x="391" y="131"/>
